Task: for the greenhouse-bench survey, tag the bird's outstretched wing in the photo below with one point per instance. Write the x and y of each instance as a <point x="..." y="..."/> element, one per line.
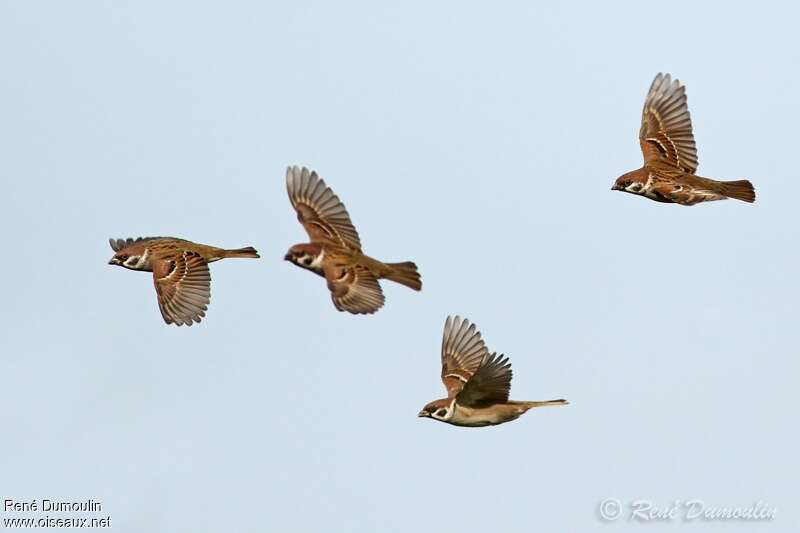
<point x="119" y="244"/>
<point x="463" y="350"/>
<point x="320" y="211"/>
<point x="354" y="289"/>
<point x="183" y="287"/>
<point x="490" y="383"/>
<point x="666" y="131"/>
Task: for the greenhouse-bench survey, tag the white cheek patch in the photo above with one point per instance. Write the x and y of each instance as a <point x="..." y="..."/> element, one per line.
<point x="316" y="263"/>
<point x="634" y="187"/>
<point x="136" y="262"/>
<point x="449" y="411"/>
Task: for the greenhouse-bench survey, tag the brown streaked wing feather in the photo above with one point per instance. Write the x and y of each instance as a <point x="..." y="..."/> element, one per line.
<point x="119" y="244"/>
<point x="491" y="383"/>
<point x="687" y="191"/>
<point x="354" y="289"/>
<point x="320" y="211"/>
<point x="183" y="287"/>
<point x="462" y="353"/>
<point x="666" y="131"/>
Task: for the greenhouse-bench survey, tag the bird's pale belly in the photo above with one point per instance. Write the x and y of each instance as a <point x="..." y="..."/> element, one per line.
<point x="484" y="416"/>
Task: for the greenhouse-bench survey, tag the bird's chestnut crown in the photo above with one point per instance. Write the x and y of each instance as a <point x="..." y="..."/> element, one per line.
<point x="126" y="260"/>
<point x="629" y="182"/>
<point x="299" y="257"/>
<point x="118" y="259"/>
<point x="304" y="256"/>
<point x="440" y="410"/>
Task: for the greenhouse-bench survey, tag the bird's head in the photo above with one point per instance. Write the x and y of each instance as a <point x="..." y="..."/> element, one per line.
<point x="632" y="182"/>
<point x="441" y="410"/>
<point x="131" y="257"/>
<point x="308" y="256"/>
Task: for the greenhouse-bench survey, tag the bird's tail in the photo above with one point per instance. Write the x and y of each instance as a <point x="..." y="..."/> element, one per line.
<point x="404" y="274"/>
<point x="740" y="189"/>
<point x="531" y="405"/>
<point x="248" y="252"/>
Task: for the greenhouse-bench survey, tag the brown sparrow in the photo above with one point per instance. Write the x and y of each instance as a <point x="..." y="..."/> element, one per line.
<point x="180" y="272"/>
<point x="670" y="155"/>
<point x="477" y="383"/>
<point x="335" y="249"/>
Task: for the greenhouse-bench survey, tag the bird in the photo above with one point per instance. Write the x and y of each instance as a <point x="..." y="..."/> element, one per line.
<point x="670" y="155"/>
<point x="180" y="272"/>
<point x="477" y="382"/>
<point x="335" y="248"/>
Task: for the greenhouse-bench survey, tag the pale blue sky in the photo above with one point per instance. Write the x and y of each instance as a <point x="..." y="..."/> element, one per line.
<point x="479" y="140"/>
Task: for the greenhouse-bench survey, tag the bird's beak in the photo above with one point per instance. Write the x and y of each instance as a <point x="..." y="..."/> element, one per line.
<point x="287" y="257"/>
<point x="616" y="188"/>
<point x="111" y="261"/>
<point x="422" y="414"/>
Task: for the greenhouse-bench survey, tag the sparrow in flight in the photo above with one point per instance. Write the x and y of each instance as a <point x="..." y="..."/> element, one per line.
<point x="180" y="272"/>
<point x="335" y="249"/>
<point x="477" y="382"/>
<point x="670" y="154"/>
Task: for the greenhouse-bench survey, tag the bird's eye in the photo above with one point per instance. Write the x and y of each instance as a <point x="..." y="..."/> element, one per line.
<point x="123" y="258"/>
